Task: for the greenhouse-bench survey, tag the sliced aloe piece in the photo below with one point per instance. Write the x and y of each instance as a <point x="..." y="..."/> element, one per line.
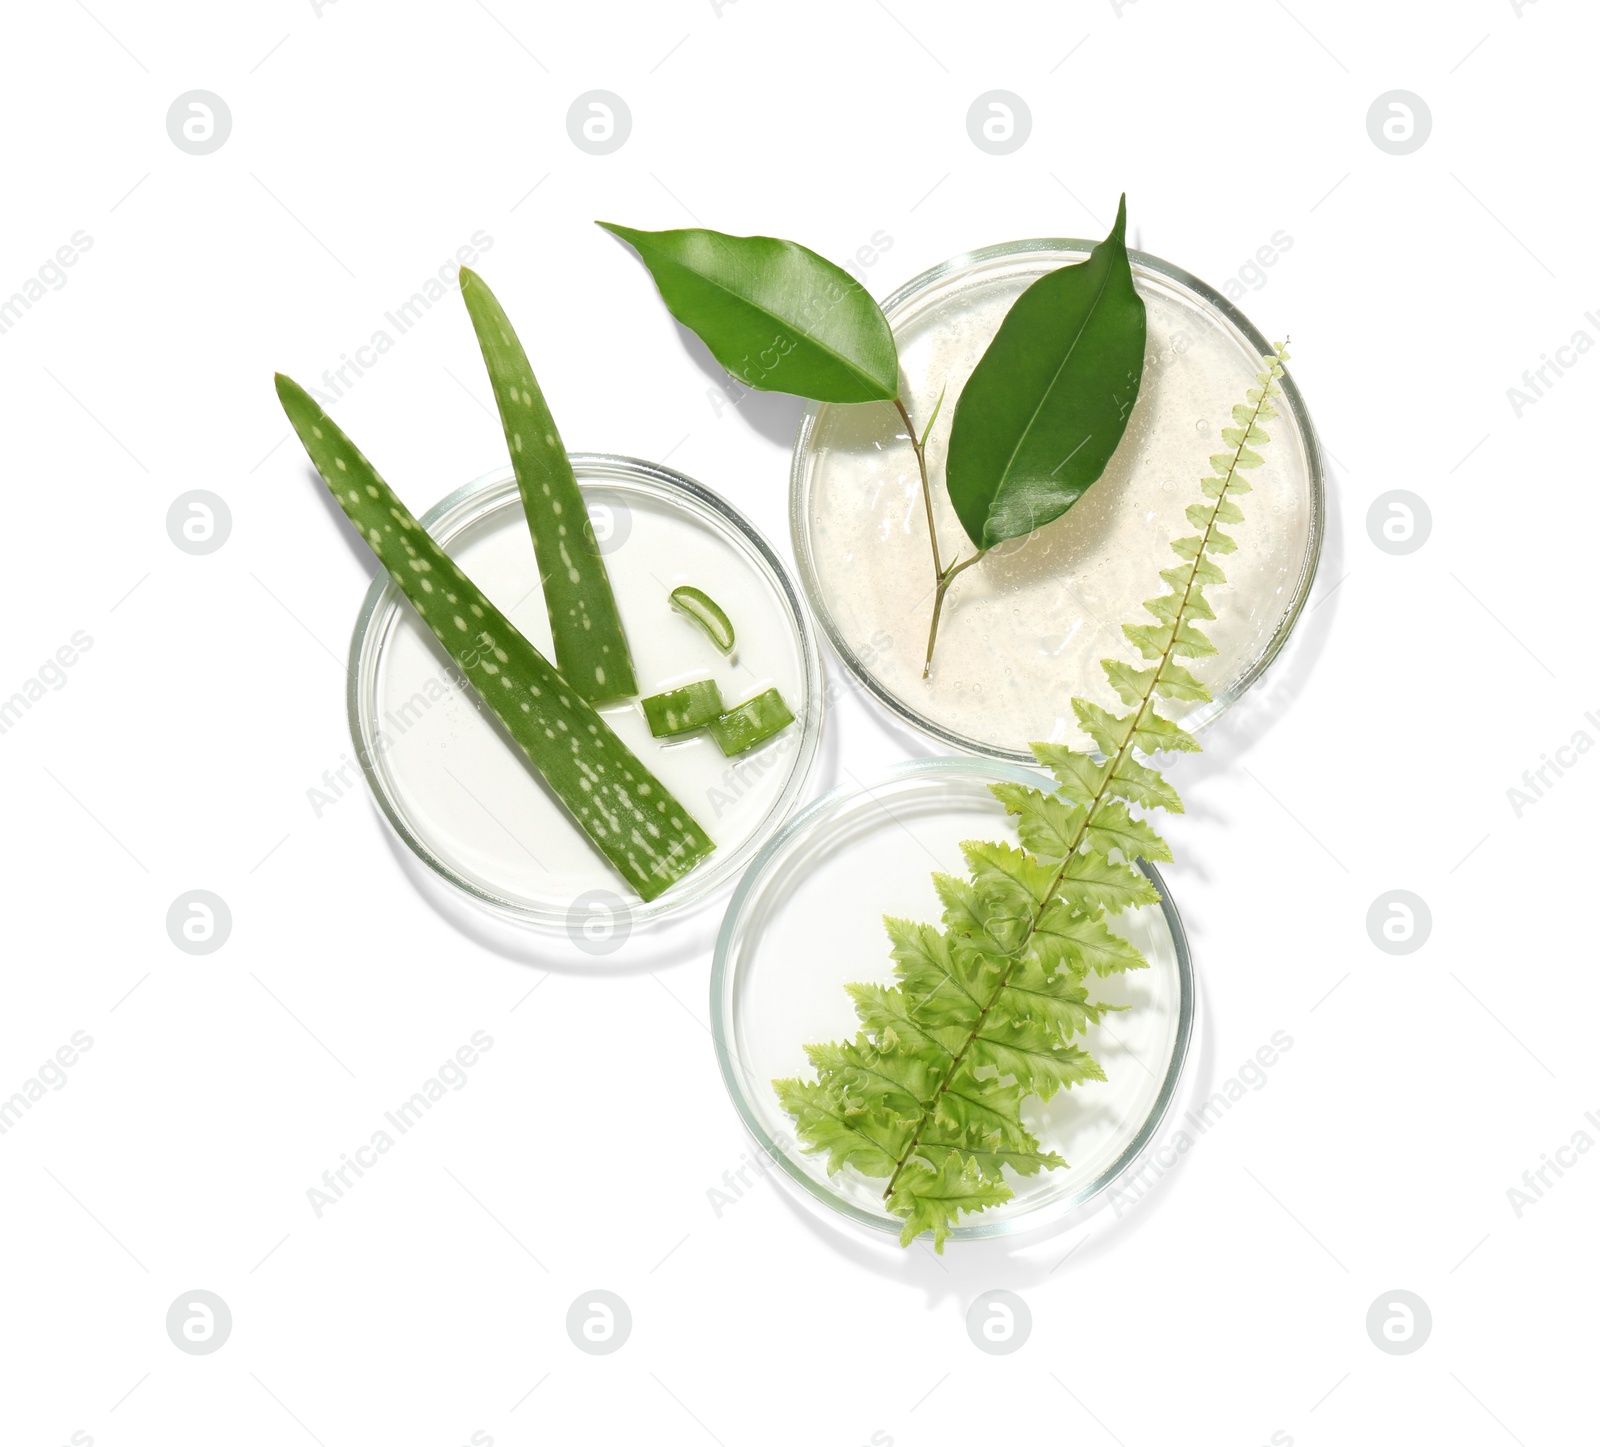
<point x="632" y="820"/>
<point x="680" y="709"/>
<point x="750" y="723"/>
<point x="590" y="648"/>
<point x="704" y="610"/>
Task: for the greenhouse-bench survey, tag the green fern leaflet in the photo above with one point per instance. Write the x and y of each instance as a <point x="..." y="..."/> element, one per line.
<point x="986" y="1011"/>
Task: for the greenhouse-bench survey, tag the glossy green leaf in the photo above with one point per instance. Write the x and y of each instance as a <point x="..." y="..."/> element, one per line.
<point x="1044" y="410"/>
<point x="779" y="317"/>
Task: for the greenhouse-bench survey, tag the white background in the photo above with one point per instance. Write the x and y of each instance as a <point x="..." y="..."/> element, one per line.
<point x="368" y="143"/>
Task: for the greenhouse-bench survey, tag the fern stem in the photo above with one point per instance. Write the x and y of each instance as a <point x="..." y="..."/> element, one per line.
<point x="1146" y="704"/>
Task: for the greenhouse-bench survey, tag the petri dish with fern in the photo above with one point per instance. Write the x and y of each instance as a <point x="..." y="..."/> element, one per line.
<point x="807" y="920"/>
<point x="465" y="801"/>
<point x="1023" y="633"/>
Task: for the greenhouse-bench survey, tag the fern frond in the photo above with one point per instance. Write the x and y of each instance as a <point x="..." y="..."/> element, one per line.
<point x="929" y="1096"/>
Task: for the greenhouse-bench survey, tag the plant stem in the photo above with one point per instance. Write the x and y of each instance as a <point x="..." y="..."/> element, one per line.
<point x="940" y="589"/>
<point x="1145" y="705"/>
<point x="927" y="494"/>
<point x="942" y="575"/>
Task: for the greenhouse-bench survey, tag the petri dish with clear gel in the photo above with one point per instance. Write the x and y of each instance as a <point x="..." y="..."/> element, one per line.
<point x="468" y="803"/>
<point x="861" y="852"/>
<point x="1023" y="631"/>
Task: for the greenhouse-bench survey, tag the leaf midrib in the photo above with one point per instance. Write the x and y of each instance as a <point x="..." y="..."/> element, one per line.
<point x="810" y="337"/>
<point x="1005" y="473"/>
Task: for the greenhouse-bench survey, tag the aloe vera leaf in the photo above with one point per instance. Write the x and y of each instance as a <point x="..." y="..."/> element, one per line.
<point x="704" y="610"/>
<point x="750" y="723"/>
<point x="679" y="710"/>
<point x="648" y="836"/>
<point x="591" y="649"/>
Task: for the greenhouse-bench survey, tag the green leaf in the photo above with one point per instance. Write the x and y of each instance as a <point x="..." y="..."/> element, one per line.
<point x="1047" y="404"/>
<point x="1141" y="785"/>
<point x="1035" y="1058"/>
<point x="1008" y="880"/>
<point x="929" y="1198"/>
<point x="1049" y="827"/>
<point x="848" y="1136"/>
<point x="991" y="1163"/>
<point x="1113" y="827"/>
<point x="1101" y="883"/>
<point x="590" y="648"/>
<point x="779" y="317"/>
<point x="898" y="1079"/>
<point x="1108" y="731"/>
<point x="1177" y="682"/>
<point x="950" y="984"/>
<point x="1080" y="943"/>
<point x="966" y="916"/>
<point x="1080" y="776"/>
<point x="628" y="814"/>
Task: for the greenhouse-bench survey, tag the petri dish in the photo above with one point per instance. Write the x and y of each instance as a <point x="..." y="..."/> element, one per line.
<point x="467" y="802"/>
<point x="1024" y="631"/>
<point x="863" y="851"/>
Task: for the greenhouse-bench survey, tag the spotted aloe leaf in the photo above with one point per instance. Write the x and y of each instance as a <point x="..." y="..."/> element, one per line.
<point x="631" y="818"/>
<point x="590" y="648"/>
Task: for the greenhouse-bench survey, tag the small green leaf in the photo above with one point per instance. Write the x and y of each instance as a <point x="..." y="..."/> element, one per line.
<point x="1142" y="785"/>
<point x="1070" y="940"/>
<point x="1047" y="404"/>
<point x="1049" y="827"/>
<point x="779" y="317"/>
<point x="1113" y="827"/>
<point x="1081" y="777"/>
<point x="827" y="1125"/>
<point x="929" y="1198"/>
<point x="1107" y="730"/>
<point x="1107" y="884"/>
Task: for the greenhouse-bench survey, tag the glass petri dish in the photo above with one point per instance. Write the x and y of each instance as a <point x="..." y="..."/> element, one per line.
<point x="863" y="851"/>
<point x="467" y="802"/>
<point x="1023" y="632"/>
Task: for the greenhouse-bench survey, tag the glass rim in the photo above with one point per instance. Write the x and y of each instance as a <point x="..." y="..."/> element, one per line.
<point x="818" y="1191"/>
<point x="1225" y="697"/>
<point x="384" y="599"/>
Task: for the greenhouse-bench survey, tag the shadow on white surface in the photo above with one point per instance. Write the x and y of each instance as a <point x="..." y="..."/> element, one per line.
<point x="660" y="945"/>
